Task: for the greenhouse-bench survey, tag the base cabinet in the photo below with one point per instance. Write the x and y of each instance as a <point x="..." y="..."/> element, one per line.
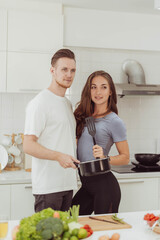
<point x="22" y="201"/>
<point x="5" y="200"/>
<point x="139" y="194"/>
<point x="16" y="201"/>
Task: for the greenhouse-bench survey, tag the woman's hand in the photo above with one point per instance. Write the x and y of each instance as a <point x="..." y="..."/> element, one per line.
<point x="98" y="151"/>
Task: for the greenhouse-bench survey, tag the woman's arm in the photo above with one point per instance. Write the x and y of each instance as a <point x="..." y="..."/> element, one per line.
<point x="121" y="159"/>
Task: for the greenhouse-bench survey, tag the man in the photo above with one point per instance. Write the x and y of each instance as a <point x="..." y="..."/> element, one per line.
<point x="49" y="137"/>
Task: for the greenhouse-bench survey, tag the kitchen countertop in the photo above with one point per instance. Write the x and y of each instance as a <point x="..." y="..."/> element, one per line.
<point x="20" y="177"/>
<point x="15" y="177"/>
<point x="139" y="230"/>
<point x="136" y="175"/>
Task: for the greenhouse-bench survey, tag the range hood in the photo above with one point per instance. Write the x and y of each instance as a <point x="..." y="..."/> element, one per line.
<point x="133" y="81"/>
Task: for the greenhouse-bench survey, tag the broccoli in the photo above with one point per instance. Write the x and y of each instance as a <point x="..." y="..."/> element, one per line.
<point x="50" y="228"/>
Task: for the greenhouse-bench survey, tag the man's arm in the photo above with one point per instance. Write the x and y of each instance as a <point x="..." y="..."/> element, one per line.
<point x="33" y="148"/>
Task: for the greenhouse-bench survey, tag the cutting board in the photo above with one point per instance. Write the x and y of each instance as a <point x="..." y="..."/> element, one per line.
<point x="97" y="225"/>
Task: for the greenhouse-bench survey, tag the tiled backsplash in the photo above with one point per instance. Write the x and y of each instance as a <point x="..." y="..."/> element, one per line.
<point x="141" y="114"/>
<point x="12" y="112"/>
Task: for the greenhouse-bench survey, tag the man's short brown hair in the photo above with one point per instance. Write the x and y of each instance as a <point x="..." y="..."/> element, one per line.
<point x="62" y="53"/>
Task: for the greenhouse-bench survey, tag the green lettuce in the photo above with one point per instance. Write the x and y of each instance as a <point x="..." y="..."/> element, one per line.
<point x="27" y="230"/>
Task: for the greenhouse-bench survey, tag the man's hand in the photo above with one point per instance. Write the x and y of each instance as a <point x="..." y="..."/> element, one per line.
<point x="33" y="148"/>
<point x="67" y="161"/>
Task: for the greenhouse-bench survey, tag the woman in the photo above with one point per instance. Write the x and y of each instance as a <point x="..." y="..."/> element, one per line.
<point x="100" y="193"/>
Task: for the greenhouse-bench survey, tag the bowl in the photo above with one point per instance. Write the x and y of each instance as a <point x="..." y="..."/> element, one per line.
<point x="147" y="159"/>
<point x="150" y="223"/>
<point x="88" y="238"/>
<point x="151" y="219"/>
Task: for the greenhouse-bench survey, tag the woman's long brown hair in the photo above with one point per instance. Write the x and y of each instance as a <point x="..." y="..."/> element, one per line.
<point x="85" y="107"/>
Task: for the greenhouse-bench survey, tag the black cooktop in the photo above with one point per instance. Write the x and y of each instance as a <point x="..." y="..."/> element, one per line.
<point x="135" y="168"/>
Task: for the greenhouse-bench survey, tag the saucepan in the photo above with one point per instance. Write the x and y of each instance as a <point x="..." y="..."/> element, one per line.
<point x="94" y="167"/>
<point x="147" y="159"/>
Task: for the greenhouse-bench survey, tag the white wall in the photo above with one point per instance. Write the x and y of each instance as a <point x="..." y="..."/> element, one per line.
<point x="141" y="114"/>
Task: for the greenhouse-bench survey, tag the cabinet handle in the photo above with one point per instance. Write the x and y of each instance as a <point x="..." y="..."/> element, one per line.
<point x="30" y="90"/>
<point x="131" y="181"/>
<point x="28" y="186"/>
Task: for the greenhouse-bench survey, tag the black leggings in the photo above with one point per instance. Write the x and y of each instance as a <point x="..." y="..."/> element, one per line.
<point x="100" y="194"/>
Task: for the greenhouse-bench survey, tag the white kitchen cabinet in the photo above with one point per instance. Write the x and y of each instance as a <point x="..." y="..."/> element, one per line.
<point x="3" y="71"/>
<point x="33" y="37"/>
<point x="3" y="30"/>
<point x="34" y="31"/>
<point x="139" y="194"/>
<point x="108" y="29"/>
<point x="28" y="72"/>
<point x="5" y="200"/>
<point x="22" y="201"/>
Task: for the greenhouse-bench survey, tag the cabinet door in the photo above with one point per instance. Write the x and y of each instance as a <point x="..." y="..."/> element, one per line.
<point x="109" y="29"/>
<point x="34" y="32"/>
<point x="28" y="72"/>
<point x="2" y="71"/>
<point x="5" y="200"/>
<point x="22" y="201"/>
<point x="3" y="30"/>
<point x="138" y="194"/>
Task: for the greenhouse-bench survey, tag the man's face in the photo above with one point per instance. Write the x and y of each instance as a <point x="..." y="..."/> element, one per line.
<point x="64" y="71"/>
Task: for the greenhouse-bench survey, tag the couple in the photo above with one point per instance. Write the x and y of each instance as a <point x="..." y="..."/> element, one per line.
<point x="50" y="137"/>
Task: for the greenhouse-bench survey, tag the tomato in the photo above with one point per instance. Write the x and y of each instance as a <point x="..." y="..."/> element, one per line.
<point x="151" y="216"/>
<point x="86" y="226"/>
<point x="146" y="217"/>
<point x="56" y="214"/>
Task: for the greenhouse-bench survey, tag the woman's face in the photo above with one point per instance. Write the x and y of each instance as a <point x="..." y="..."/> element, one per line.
<point x="100" y="90"/>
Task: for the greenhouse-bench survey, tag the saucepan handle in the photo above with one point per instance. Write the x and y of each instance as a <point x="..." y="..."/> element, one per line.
<point x="77" y="164"/>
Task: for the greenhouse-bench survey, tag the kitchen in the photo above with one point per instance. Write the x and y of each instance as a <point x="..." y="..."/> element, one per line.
<point x="107" y="51"/>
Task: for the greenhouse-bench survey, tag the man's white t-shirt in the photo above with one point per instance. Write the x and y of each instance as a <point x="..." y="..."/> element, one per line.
<point x="50" y="118"/>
